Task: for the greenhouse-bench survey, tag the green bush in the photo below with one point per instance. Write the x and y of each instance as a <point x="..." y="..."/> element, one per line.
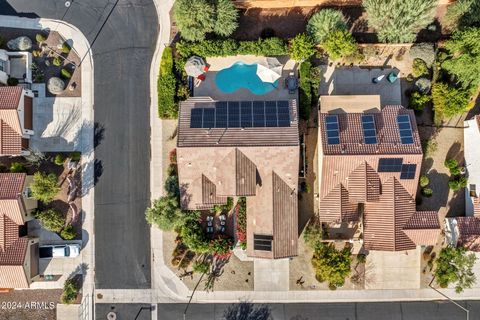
<point x="59" y="159"/>
<point x="305" y="90"/>
<point x="455" y="266"/>
<point x="44" y="187"/>
<point x="429" y="147"/>
<point x="171" y="186"/>
<point x="51" y="220"/>
<point x="66" y="48"/>
<point x="12" y="81"/>
<point x="17" y="167"/>
<point x="424" y="51"/>
<point x="449" y="101"/>
<point x="165" y="213"/>
<point x="450" y="163"/>
<point x="166" y="87"/>
<point x="70" y="291"/>
<point x="313" y="235"/>
<point x="340" y="44"/>
<point x="201" y="267"/>
<point x="331" y="265"/>
<point x="398" y="21"/>
<point x="57" y="61"/>
<point x="458" y="183"/>
<point x="40" y="37"/>
<point x="361" y="258"/>
<point x="424" y="181"/>
<point x="419" y="68"/>
<point x="75" y="155"/>
<point x="419" y="100"/>
<point x="65" y="73"/>
<point x="193" y="235"/>
<point x="423" y="85"/>
<point x="427" y="192"/>
<point x="301" y="47"/>
<point x="325" y="21"/>
<point x="68" y="233"/>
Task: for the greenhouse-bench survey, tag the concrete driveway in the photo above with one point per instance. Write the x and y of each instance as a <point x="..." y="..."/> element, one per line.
<point x="358" y="81"/>
<point x="393" y="270"/>
<point x="271" y="274"/>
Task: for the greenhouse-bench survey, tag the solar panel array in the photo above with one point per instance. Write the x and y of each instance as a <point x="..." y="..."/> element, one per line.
<point x="405" y="128"/>
<point x="390" y="164"/>
<point x="242" y="114"/>
<point x="369" y="131"/>
<point x="262" y="242"/>
<point x="333" y="129"/>
<point x="408" y="171"/>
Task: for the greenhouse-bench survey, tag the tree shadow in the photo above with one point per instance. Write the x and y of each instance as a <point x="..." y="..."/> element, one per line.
<point x="456" y="205"/>
<point x="455" y="152"/>
<point x="439" y="198"/>
<point x="98" y="134"/>
<point x="91" y="173"/>
<point x="247" y="311"/>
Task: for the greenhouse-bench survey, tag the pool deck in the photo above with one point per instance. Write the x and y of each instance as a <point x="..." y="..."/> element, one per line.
<point x="208" y="87"/>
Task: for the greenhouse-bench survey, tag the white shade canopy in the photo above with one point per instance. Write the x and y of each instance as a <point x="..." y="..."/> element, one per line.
<point x="269" y="70"/>
<point x="195" y="66"/>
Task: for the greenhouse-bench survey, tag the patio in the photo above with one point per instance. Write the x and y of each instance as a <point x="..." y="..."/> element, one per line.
<point x="209" y="88"/>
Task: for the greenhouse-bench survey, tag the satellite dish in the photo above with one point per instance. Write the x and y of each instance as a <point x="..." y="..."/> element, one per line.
<point x="111" y="316"/>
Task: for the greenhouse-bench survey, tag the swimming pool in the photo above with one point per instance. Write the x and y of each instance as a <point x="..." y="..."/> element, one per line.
<point x="242" y="75"/>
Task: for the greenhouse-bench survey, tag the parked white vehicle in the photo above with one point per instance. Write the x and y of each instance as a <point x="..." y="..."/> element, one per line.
<point x="59" y="251"/>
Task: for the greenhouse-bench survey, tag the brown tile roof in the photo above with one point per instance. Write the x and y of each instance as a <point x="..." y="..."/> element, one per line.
<point x="233" y="137"/>
<point x="10" y="97"/>
<point x="351" y="134"/>
<point x="13" y="276"/>
<point x="469" y="233"/>
<point x="423" y="228"/>
<point x="11" y="185"/>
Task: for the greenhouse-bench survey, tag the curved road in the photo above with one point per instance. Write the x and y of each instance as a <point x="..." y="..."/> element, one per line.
<point x="123" y="35"/>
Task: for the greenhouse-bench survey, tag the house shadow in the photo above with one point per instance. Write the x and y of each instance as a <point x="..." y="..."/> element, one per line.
<point x="439" y="185"/>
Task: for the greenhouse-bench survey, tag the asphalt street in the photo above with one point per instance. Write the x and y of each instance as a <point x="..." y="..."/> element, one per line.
<point x="123" y="36"/>
<point x="434" y="310"/>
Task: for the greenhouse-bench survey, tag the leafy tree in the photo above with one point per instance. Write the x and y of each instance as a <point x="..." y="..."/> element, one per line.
<point x="68" y="233"/>
<point x="398" y="21"/>
<point x="165" y="213"/>
<point x="450" y="163"/>
<point x="194" y="18"/>
<point x="167" y="108"/>
<point x="449" y="101"/>
<point x="454" y="266"/>
<point x="247" y="311"/>
<point x="419" y="68"/>
<point x="171" y="186"/>
<point x="51" y="220"/>
<point x="70" y="291"/>
<point x="462" y="14"/>
<point x="419" y="100"/>
<point x="325" y="21"/>
<point x="464" y="57"/>
<point x="226" y="19"/>
<point x="305" y="90"/>
<point x="17" y="167"/>
<point x="44" y="186"/>
<point x="193" y="235"/>
<point x="331" y="265"/>
<point x="340" y="44"/>
<point x="301" y="47"/>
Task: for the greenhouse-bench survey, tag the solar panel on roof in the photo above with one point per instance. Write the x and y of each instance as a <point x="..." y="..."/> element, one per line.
<point x="408" y="171"/>
<point x="390" y="164"/>
<point x="258" y="114"/>
<point x="369" y="132"/>
<point x="208" y="118"/>
<point x="246" y="113"/>
<point x="271" y="114"/>
<point x="221" y="112"/>
<point x="333" y="129"/>
<point x="196" y="118"/>
<point x="233" y="114"/>
<point x="405" y="129"/>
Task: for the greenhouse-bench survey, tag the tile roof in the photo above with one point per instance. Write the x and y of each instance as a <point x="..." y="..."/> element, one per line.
<point x="351" y="134"/>
<point x="10" y="97"/>
<point x="13" y="276"/>
<point x="469" y="233"/>
<point x="233" y="137"/>
<point x="423" y="228"/>
<point x="11" y="185"/>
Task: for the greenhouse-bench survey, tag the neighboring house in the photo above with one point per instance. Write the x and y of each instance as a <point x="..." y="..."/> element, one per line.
<point x="18" y="252"/>
<point x="16" y="121"/>
<point x="251" y="149"/>
<point x="370" y="159"/>
<point x="15" y="65"/>
<point x="465" y="231"/>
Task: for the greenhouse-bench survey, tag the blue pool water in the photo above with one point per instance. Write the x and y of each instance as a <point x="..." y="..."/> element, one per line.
<point x="242" y="75"/>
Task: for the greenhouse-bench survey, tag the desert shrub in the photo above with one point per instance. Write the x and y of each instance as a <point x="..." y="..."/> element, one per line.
<point x="419" y="68"/>
<point x="44" y="187"/>
<point x="57" y="61"/>
<point x="423" y="85"/>
<point x="12" y="81"/>
<point x="70" y="291"/>
<point x="59" y="159"/>
<point x="424" y="51"/>
<point x="305" y="90"/>
<point x="301" y="47"/>
<point x="75" y="155"/>
<point x="449" y="101"/>
<point x="462" y="14"/>
<point x="398" y="21"/>
<point x="331" y="265"/>
<point x="419" y="100"/>
<point x="65" y="73"/>
<point x="17" y="167"/>
<point x="424" y="181"/>
<point x="166" y="87"/>
<point x="40" y="37"/>
<point x="464" y="58"/>
<point x="68" y="233"/>
<point x="313" y="235"/>
<point x="429" y="147"/>
<point x="325" y="21"/>
<point x="66" y="48"/>
<point x="454" y="266"/>
<point x="51" y="219"/>
<point x="340" y="44"/>
<point x="427" y="192"/>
